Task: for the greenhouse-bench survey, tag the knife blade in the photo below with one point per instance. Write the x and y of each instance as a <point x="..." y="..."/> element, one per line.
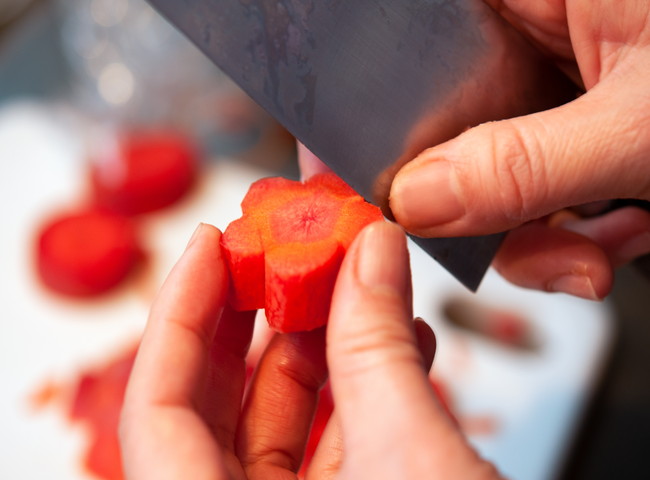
<point x="368" y="84"/>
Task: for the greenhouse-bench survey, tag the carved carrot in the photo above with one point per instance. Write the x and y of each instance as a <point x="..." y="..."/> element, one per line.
<point x="285" y="252"/>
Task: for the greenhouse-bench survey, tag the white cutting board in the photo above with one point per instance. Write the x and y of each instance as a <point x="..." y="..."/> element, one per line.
<point x="534" y="401"/>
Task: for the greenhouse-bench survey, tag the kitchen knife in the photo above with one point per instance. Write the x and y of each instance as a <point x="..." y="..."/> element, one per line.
<point x="368" y="84"/>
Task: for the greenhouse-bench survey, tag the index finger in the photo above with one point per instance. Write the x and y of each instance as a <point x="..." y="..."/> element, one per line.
<point x="171" y="361"/>
<point x="162" y="434"/>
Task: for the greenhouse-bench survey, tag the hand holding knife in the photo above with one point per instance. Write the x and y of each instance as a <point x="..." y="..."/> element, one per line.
<point x="367" y="85"/>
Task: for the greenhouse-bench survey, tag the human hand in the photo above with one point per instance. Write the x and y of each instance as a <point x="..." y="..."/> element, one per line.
<point x="183" y="415"/>
<point x="518" y="173"/>
<point x="387" y="421"/>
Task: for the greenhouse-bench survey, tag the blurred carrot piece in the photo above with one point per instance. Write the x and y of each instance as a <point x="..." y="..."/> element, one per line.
<point x="145" y="171"/>
<point x="85" y="253"/>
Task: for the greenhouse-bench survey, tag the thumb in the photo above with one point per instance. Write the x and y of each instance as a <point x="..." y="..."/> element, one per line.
<point x="392" y="426"/>
<point x="370" y="328"/>
<point x="501" y="174"/>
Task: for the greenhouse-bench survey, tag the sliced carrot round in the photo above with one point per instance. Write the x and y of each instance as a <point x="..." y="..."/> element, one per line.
<point x="149" y="170"/>
<point x="86" y="253"/>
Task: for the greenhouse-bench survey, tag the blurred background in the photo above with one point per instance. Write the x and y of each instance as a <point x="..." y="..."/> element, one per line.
<point x="91" y="89"/>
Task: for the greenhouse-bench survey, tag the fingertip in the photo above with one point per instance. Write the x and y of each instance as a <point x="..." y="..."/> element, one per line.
<point x="425" y="194"/>
<point x="374" y="277"/>
<point x="204" y="232"/>
<point x="202" y="247"/>
<point x="577" y="284"/>
<point x="195" y="291"/>
<point x="382" y="259"/>
<point x="623" y="234"/>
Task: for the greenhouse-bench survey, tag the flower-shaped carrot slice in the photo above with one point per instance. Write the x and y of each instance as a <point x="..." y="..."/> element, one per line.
<point x="285" y="252"/>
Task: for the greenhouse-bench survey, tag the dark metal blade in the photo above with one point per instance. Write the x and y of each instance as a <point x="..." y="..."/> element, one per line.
<point x="368" y="84"/>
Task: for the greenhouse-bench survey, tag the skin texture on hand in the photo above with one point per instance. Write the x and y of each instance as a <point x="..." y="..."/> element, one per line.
<point x="502" y="175"/>
<point x="186" y="414"/>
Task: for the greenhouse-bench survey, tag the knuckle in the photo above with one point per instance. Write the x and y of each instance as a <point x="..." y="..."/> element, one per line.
<point x="635" y="143"/>
<point x="373" y="341"/>
<point x="517" y="166"/>
<point x="266" y="456"/>
<point x="305" y="378"/>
